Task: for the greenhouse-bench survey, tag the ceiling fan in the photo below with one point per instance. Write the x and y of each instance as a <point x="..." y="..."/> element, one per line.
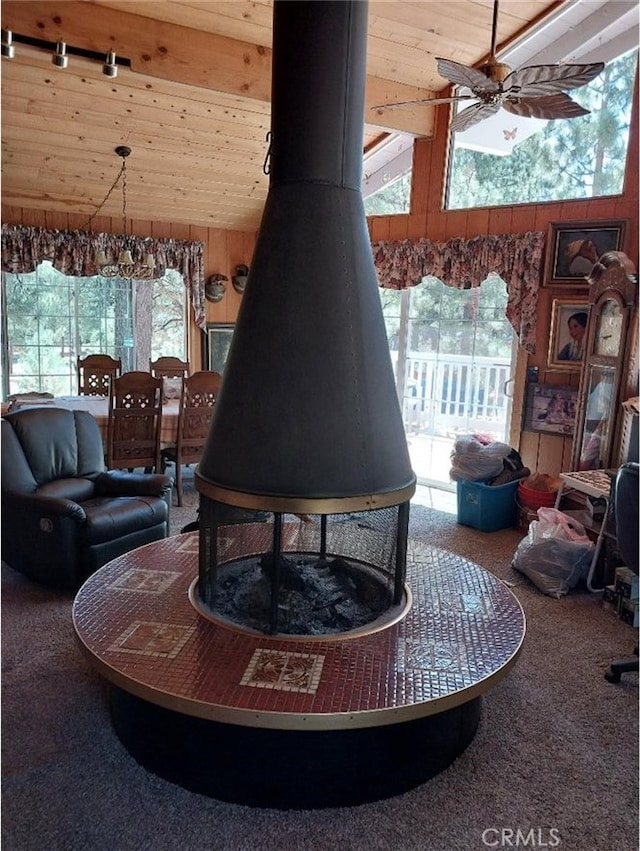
<point x="537" y="91"/>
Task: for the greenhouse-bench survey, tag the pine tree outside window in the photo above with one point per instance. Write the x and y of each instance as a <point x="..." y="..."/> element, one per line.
<point x="571" y="159"/>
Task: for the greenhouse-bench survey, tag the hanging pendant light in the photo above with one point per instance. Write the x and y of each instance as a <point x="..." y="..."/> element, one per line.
<point x="125" y="266"/>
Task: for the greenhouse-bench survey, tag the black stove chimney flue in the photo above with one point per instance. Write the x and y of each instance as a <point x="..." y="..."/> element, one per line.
<point x="308" y="417"/>
<point x="317" y="93"/>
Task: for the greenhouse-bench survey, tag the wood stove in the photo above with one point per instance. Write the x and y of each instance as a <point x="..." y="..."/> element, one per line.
<point x="306" y="468"/>
<point x="308" y="422"/>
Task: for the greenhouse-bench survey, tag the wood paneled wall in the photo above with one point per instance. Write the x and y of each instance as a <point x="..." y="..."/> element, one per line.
<point x="226" y="249"/>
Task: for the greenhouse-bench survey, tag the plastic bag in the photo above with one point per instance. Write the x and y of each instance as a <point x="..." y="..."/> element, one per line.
<point x="556" y="554"/>
<point x="473" y="459"/>
<point x="552" y="523"/>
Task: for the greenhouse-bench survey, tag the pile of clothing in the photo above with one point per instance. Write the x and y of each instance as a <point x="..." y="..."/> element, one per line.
<point x="480" y="458"/>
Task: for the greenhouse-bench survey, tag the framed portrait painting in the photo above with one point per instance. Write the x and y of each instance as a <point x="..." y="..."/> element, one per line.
<point x="550" y="409"/>
<point x="568" y="333"/>
<point x="574" y="247"/>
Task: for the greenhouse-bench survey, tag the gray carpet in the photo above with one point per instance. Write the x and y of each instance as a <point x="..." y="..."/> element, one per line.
<point x="555" y="757"/>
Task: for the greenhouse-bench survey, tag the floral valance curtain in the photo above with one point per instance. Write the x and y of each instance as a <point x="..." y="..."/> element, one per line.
<point x="73" y="252"/>
<point x="466" y="263"/>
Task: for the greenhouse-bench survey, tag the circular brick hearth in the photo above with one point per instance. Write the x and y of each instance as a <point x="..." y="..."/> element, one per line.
<point x="269" y="721"/>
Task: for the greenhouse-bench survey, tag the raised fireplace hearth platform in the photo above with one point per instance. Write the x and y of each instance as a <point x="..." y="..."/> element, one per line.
<point x="295" y="722"/>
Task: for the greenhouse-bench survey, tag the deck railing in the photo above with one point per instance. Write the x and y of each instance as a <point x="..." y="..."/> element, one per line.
<point x="454" y="393"/>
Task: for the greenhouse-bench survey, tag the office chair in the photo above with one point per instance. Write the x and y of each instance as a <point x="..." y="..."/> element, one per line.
<point x="626" y="514"/>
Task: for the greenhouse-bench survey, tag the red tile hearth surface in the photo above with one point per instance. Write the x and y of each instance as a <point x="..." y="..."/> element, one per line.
<point x="135" y="620"/>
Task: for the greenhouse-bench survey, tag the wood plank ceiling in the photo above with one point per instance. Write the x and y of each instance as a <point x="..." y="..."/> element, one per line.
<point x="194" y="103"/>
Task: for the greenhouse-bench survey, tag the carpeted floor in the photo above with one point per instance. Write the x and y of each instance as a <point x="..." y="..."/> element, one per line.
<point x="555" y="757"/>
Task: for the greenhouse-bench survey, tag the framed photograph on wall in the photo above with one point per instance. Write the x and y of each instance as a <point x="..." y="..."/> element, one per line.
<point x="568" y="333"/>
<point x="216" y="351"/>
<point x="573" y="248"/>
<point x="550" y="409"/>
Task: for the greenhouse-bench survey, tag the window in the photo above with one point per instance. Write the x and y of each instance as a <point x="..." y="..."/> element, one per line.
<point x="50" y="319"/>
<point x="392" y="199"/>
<point x="169" y="314"/>
<point x="452" y="352"/>
<point x="386" y="175"/>
<point x="578" y="158"/>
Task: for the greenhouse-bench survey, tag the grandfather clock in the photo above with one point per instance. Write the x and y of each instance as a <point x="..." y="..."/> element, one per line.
<point x="609" y="370"/>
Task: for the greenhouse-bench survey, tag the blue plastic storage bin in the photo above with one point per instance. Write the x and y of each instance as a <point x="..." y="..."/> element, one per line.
<point x="487" y="507"/>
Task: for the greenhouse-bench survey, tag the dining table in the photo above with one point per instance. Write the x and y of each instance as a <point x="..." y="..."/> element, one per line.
<point x="98" y="407"/>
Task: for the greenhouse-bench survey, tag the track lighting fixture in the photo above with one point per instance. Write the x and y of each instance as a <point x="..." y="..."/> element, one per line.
<point x="60" y="58"/>
<point x="110" y="69"/>
<point x="62" y="51"/>
<point x="8" y="50"/>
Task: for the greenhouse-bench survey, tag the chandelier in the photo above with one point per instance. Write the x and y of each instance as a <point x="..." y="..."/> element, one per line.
<point x="125" y="266"/>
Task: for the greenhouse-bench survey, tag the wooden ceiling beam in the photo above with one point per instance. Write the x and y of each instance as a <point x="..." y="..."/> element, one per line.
<point x="190" y="56"/>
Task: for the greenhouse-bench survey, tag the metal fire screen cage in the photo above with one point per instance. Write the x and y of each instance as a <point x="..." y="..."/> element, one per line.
<point x="358" y="551"/>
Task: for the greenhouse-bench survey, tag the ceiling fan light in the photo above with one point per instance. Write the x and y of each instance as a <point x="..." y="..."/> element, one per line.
<point x="496" y="71"/>
<point x="125" y="258"/>
<point x="536" y="91"/>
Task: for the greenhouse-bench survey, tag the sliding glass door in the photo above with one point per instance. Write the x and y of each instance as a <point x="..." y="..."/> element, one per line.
<point x="452" y="354"/>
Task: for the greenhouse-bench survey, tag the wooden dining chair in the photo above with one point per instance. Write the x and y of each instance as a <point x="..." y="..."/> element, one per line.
<point x="135" y="415"/>
<point x="197" y="400"/>
<point x="95" y="373"/>
<point x="169" y="368"/>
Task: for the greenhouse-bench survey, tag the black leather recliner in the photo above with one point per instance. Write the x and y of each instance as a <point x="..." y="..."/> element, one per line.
<point x="63" y="514"/>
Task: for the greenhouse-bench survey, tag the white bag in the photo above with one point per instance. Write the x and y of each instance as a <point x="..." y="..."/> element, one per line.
<point x="474" y="461"/>
<point x="556" y="553"/>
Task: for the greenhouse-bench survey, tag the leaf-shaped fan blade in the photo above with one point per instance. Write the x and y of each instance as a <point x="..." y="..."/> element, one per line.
<point x="540" y="80"/>
<point x="473" y="115"/>
<point x="461" y="75"/>
<point x="553" y="106"/>
<point x="424" y="102"/>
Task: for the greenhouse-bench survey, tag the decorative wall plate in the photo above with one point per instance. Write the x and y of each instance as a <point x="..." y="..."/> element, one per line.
<point x="215" y="288"/>
<point x="239" y="280"/>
